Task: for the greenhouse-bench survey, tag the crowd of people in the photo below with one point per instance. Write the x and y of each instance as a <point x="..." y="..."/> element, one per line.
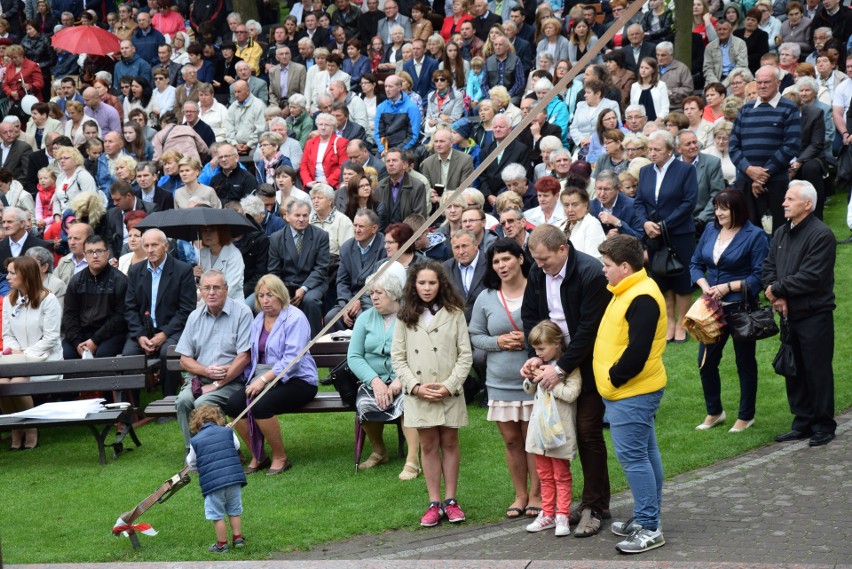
<point x="337" y="132"/>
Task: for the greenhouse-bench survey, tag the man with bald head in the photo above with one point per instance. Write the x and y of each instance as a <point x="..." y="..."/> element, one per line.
<point x="113" y="148"/>
<point x="106" y="116"/>
<point x="244" y="121"/>
<point x="16" y="240"/>
<point x="146" y="39"/>
<point x="286" y="78"/>
<point x="257" y="87"/>
<point x="130" y="65"/>
<point x="765" y="139"/>
<point x="160" y="297"/>
<point x="75" y="261"/>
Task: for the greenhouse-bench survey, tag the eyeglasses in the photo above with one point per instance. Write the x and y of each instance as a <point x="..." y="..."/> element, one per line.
<point x="213" y="288"/>
<point x="440" y="79"/>
<point x="389" y="242"/>
<point x="159" y="78"/>
<point x="96" y="252"/>
<point x="509" y="221"/>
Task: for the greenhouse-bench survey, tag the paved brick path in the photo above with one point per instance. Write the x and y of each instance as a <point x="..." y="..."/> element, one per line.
<point x="784" y="505"/>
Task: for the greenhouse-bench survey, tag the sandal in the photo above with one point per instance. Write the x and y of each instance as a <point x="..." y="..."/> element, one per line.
<point x="373" y="460"/>
<point x="514" y="513"/>
<point x="532" y="511"/>
<point x="265" y="463"/>
<point x="409" y="472"/>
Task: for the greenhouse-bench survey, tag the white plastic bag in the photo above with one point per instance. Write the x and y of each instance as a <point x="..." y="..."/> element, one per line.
<point x="545" y="423"/>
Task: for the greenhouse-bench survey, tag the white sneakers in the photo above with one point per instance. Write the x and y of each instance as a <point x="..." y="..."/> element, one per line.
<point x="544" y="522"/>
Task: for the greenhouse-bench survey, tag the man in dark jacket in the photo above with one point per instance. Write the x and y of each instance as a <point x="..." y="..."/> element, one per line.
<point x="93" y="318"/>
<point x="232" y="183"/>
<point x="569" y="288"/>
<point x="799" y="278"/>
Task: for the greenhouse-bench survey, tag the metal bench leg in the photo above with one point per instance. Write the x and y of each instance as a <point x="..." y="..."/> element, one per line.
<point x="100" y="437"/>
<point x="400" y="449"/>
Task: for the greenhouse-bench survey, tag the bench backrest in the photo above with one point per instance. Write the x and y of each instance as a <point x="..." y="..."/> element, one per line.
<point x="111" y="366"/>
<point x="326" y="354"/>
<point x="76" y="385"/>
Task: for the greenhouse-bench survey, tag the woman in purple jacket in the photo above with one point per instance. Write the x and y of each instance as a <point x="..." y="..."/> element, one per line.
<point x="279" y="332"/>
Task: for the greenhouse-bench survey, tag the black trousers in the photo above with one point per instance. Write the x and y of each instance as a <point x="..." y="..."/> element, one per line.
<point x="811" y="393"/>
<point x="770" y="201"/>
<point x="591" y="447"/>
<point x="170" y="380"/>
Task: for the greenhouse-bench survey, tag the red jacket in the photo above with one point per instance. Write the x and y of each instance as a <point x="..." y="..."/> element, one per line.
<point x="31" y="73"/>
<point x="447" y="29"/>
<point x="335" y="155"/>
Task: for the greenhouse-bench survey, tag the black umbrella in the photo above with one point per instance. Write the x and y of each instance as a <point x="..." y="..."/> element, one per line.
<point x="186" y="223"/>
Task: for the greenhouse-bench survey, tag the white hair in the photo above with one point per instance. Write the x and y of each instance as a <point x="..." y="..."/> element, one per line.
<point x="806" y="191"/>
<point x="665" y="136"/>
<point x="794" y="48"/>
<point x="550" y="143"/>
<point x="666" y="46"/>
<point x="542" y="85"/>
<point x="636" y="108"/>
<point x="513" y="172"/>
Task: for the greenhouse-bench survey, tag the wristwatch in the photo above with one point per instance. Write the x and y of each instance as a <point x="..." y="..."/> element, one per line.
<point x="618" y="225"/>
<point x="559" y="373"/>
<point x="216" y="384"/>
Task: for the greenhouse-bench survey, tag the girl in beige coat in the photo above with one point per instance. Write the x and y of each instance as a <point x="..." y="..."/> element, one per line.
<point x="553" y="466"/>
<point x="431" y="356"/>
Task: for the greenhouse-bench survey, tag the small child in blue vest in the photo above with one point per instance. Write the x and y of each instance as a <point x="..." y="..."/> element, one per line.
<point x="214" y="450"/>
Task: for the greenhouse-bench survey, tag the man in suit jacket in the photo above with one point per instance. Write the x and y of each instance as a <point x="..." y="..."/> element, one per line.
<point x="484" y="19"/>
<point x="312" y="31"/>
<point x="124" y="200"/>
<point x="358" y="259"/>
<point x="613" y="209"/>
<point x="392" y="18"/>
<point x="14" y="154"/>
<point x="17" y="240"/>
<point x="350" y="130"/>
<point x="737" y="53"/>
<point x="466" y="269"/>
<point x="401" y="194"/>
<point x="299" y="256"/>
<point x="523" y="48"/>
<point x="710" y="180"/>
<point x="146" y="178"/>
<point x="427" y="66"/>
<point x="637" y="49"/>
<point x="359" y="152"/>
<point x="154" y="324"/>
<point x="532" y="136"/>
<point x="460" y="164"/>
<point x="525" y="31"/>
<point x="584" y="298"/>
<point x="42" y="159"/>
<point x="257" y="87"/>
<point x="809" y="164"/>
<point x="186" y="92"/>
<point x="516" y="152"/>
<point x="295" y="74"/>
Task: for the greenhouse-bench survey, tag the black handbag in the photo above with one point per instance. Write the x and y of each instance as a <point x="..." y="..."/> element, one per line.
<point x="665" y="262"/>
<point x="755" y="324"/>
<point x="785" y="361"/>
<point x="345" y="382"/>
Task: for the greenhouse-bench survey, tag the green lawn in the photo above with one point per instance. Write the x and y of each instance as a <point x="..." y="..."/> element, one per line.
<point x="59" y="504"/>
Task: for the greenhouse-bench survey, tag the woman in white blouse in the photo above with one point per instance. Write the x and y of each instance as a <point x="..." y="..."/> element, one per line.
<point x="583" y="230"/>
<point x="649" y="91"/>
<point x="719" y="149"/>
<point x="211" y="111"/>
<point x="162" y="98"/>
<point x="31" y="322"/>
<point x="74" y="124"/>
<point x="218" y="253"/>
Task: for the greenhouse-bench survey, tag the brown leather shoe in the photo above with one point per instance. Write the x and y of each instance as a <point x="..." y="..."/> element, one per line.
<point x="589" y="524"/>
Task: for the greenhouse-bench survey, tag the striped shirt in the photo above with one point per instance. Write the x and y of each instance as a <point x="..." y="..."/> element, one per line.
<point x="766" y="135"/>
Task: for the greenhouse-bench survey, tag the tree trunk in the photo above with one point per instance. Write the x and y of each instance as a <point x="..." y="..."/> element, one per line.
<point x="683" y="31"/>
<point x="248" y="9"/>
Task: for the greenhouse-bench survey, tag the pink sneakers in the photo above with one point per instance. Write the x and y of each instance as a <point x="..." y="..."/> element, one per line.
<point x="453" y="512"/>
<point x="432" y="517"/>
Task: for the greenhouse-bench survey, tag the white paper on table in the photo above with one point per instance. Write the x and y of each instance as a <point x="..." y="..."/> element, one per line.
<point x="62" y="410"/>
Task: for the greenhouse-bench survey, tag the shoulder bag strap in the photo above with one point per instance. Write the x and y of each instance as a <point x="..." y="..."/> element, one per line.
<point x="508" y="312"/>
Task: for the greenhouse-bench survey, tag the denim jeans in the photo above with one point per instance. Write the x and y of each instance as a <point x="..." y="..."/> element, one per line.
<point x="631" y="424"/>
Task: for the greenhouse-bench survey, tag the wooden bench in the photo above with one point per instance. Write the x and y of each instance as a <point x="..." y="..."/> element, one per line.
<point x="326" y="354"/>
<point x="98" y="374"/>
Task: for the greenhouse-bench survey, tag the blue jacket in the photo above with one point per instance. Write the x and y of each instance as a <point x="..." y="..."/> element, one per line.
<point x="133" y="67"/>
<point x="73" y="6"/>
<point x="625" y="211"/>
<point x="104" y="180"/>
<point x="217" y="458"/>
<point x="356" y="70"/>
<point x="557" y="113"/>
<point x="741" y="260"/>
<point x="678" y="194"/>
<point x="147" y="44"/>
<point x="398" y="122"/>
